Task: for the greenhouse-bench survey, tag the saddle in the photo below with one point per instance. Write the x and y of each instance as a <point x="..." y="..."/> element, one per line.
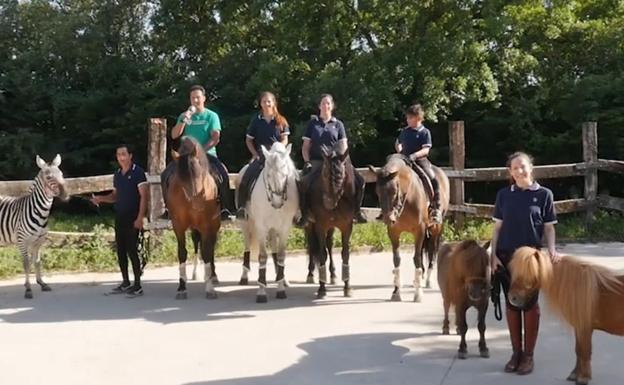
<point x="421" y="174"/>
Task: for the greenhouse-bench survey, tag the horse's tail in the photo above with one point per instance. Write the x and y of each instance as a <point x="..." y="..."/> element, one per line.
<point x="575" y="290"/>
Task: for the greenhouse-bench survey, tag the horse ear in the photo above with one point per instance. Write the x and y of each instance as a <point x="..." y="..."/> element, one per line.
<point x="288" y="148"/>
<point x="175" y="155"/>
<point x="56" y="161"/>
<point x="40" y="162"/>
<point x="264" y="151"/>
<point x="393" y="175"/>
<point x="487" y="245"/>
<point x="372" y="169"/>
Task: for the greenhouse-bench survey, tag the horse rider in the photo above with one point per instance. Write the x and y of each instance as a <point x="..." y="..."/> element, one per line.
<point x="324" y="130"/>
<point x="204" y="126"/>
<point x="266" y="128"/>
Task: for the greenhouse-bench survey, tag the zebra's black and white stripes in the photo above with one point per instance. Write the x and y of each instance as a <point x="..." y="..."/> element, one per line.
<point x="24" y="220"/>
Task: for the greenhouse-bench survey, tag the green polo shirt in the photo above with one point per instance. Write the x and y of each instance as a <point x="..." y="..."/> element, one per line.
<point x="201" y="127"/>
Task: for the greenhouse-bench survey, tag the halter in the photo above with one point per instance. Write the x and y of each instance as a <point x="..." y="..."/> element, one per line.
<point x="270" y="192"/>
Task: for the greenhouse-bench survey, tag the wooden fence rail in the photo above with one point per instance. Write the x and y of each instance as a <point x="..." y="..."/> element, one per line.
<point x="457" y="173"/>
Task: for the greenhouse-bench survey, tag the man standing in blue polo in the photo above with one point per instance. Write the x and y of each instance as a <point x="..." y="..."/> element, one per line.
<point x="325" y="130"/>
<point x="204" y="126"/>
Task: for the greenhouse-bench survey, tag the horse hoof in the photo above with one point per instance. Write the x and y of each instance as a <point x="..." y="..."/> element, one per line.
<point x="286" y="283"/>
<point x="348" y="293"/>
<point x="332" y="281"/>
<point x="396" y="297"/>
<point x="321" y="294"/>
<point x="582" y="382"/>
<point x="280" y="295"/>
<point x="181" y="295"/>
<point x="243" y="281"/>
<point x="193" y="277"/>
<point x="310" y="279"/>
<point x="28" y="294"/>
<point x="462" y="355"/>
<point x="417" y="298"/>
<point x="261" y="298"/>
<point x="485" y="353"/>
<point x="572" y="376"/>
<point x="211" y="295"/>
<point x="215" y="280"/>
<point x="45" y="287"/>
<point x="446" y="331"/>
<point x="428" y="285"/>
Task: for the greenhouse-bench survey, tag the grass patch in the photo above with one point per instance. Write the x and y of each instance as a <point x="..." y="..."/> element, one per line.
<point x="97" y="254"/>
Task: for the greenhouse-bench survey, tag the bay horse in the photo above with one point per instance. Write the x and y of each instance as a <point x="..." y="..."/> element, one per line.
<point x="193" y="204"/>
<point x="273" y="203"/>
<point x="464" y="280"/>
<point x="404" y="206"/>
<point x="586" y="296"/>
<point x="332" y="197"/>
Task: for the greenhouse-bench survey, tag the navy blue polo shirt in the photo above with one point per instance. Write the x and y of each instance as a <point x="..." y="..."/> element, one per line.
<point x="265" y="133"/>
<point x="321" y="133"/>
<point x="414" y="139"/>
<point x="127" y="192"/>
<point x="524" y="214"/>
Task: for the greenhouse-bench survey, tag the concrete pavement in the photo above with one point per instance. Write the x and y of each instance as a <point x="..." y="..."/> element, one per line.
<point x="77" y="335"/>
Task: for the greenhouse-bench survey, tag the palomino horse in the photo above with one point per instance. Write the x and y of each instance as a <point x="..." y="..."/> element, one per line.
<point x="271" y="209"/>
<point x="464" y="280"/>
<point x="332" y="197"/>
<point x="584" y="295"/>
<point x="192" y="200"/>
<point x="404" y="205"/>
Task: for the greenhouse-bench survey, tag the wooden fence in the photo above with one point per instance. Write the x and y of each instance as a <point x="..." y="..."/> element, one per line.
<point x="457" y="174"/>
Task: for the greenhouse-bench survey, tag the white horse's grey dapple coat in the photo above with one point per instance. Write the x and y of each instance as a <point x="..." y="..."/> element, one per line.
<point x="24" y="220"/>
<point x="270" y="210"/>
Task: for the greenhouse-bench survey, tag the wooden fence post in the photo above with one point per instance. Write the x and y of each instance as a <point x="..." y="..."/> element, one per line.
<point x="457" y="153"/>
<point x="156" y="162"/>
<point x="590" y="156"/>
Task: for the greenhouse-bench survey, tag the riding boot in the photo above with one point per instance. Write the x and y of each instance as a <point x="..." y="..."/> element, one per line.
<point x="531" y="328"/>
<point x="224" y="198"/>
<point x="514" y="323"/>
<point x="358" y="216"/>
<point x="303" y="204"/>
<point x="436" y="213"/>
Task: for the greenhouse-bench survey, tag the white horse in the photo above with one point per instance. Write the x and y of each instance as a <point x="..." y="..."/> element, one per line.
<point x="273" y="203"/>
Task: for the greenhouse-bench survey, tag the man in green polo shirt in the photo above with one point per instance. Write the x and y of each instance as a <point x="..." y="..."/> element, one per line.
<point x="204" y="126"/>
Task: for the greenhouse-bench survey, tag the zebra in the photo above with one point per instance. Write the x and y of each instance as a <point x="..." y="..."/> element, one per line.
<point x="24" y="220"/>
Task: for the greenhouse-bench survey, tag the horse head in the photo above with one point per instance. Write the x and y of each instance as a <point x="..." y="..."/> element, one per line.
<point x="333" y="174"/>
<point x="278" y="167"/>
<point x="192" y="168"/>
<point x="52" y="178"/>
<point x="392" y="196"/>
<point x="530" y="270"/>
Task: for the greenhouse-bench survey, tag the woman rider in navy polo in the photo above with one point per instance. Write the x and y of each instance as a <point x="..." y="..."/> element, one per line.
<point x="326" y="130"/>
<point x="266" y="128"/>
<point x="523" y="214"/>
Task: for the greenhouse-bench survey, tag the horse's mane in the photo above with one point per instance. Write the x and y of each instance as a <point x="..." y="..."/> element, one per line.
<point x="572" y="286"/>
<point x="190" y="149"/>
<point x="468" y="261"/>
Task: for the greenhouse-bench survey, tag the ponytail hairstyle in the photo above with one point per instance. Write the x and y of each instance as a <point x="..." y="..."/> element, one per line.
<point x="280" y="121"/>
<point x="519" y="154"/>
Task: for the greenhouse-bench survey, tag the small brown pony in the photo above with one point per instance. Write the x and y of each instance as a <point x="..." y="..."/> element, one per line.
<point x="405" y="208"/>
<point x="332" y="203"/>
<point x="464" y="280"/>
<point x="192" y="200"/>
<point x="584" y="295"/>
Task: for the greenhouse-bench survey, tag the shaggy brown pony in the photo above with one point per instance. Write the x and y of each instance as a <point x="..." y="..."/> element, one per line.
<point x="584" y="295"/>
<point x="405" y="208"/>
<point x="192" y="203"/>
<point x="464" y="280"/>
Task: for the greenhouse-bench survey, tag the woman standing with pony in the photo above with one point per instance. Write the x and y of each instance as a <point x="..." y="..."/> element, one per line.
<point x="523" y="214"/>
<point x="266" y="128"/>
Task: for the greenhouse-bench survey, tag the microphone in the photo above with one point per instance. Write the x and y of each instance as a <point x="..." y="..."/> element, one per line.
<point x="191" y="110"/>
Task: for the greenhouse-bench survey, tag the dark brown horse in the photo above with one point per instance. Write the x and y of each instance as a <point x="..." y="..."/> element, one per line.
<point x="332" y="203"/>
<point x="405" y="208"/>
<point x="464" y="280"/>
<point x="586" y="296"/>
<point x="192" y="204"/>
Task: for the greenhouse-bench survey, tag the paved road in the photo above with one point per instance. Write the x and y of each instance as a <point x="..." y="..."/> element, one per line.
<point x="76" y="335"/>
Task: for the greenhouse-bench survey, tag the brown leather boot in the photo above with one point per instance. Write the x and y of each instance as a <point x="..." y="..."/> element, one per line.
<point x="514" y="323"/>
<point x="531" y="328"/>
